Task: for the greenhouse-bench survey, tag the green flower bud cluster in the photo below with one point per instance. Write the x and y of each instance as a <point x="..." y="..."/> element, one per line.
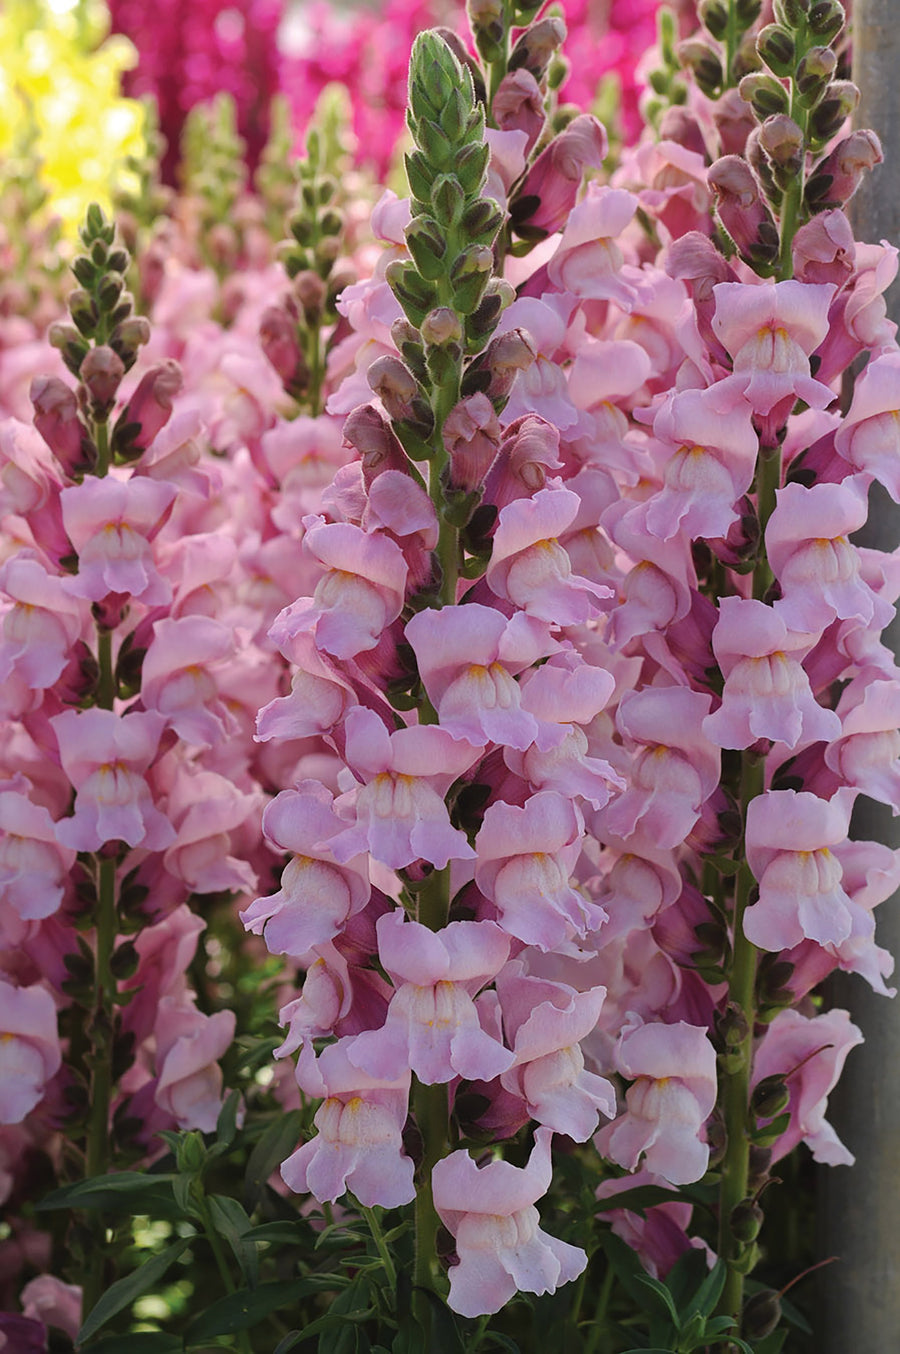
<point x="214" y="169"/>
<point x="447" y="288"/>
<point x="667" y="84"/>
<point x="312" y="255"/>
<point x="102" y="310"/>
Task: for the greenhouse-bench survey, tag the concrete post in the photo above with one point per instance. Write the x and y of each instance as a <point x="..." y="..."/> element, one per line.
<point x="860" y="1207"/>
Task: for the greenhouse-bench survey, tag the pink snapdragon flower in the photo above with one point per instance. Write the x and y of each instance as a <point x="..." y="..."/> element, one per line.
<point x="588" y="262"/>
<point x="319" y="697"/>
<point x="789" y="839"/>
<point x="531" y="569"/>
<point x="432" y="1024"/>
<point x="34" y="866"/>
<point x="767" y="692"/>
<point x="809" y="1054"/>
<point x="359" y="1143"/>
<point x="111" y="524"/>
<point x="177" y="678"/>
<point x="672" y="1069"/>
<point x="869" y="435"/>
<point x="676" y="767"/>
<point x="58" y="1304"/>
<point x="814" y="560"/>
<point x="658" y="1234"/>
<point x="771" y="330"/>
<point x="711" y="467"/>
<point x="317" y="894"/>
<point x="501" y="1247"/>
<point x="399" y="810"/>
<point x="525" y="858"/>
<point x="468" y="659"/>
<point x="105" y="756"/>
<point x="30" y="1052"/>
<point x="867" y="753"/>
<point x="188" y="1046"/>
<point x="41" y="627"/>
<point x="555" y="177"/>
<point x="545" y="1023"/>
<point x="360" y="592"/>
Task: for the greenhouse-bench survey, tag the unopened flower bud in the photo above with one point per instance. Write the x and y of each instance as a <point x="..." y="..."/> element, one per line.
<point x="766" y="95"/>
<point x="745" y="1220"/>
<point x="311" y="291"/>
<point x="129" y="335"/>
<point x="486" y="19"/>
<point x="791" y="12"/>
<point x="703" y="61"/>
<point x="782" y="140"/>
<point x="761" y="1314"/>
<point x="740" y="206"/>
<point x="70" y="343"/>
<point x="777" y="48"/>
<point x="826" y="18"/>
<point x="838" y="176"/>
<point x="371" y="435"/>
<point x="191" y="1153"/>
<point x="394" y="384"/>
<point x="101" y="373"/>
<point x="770" y="1097"/>
<point x="759" y="1166"/>
<point x="440" y="327"/>
<point x="278" y="340"/>
<point x="471" y="436"/>
<point x="151" y="404"/>
<point x="732" y="1025"/>
<point x="815" y="70"/>
<point x="841" y="98"/>
<point x="57" y="420"/>
<point x="537" y="46"/>
<point x="83" y="309"/>
<point x="505" y="356"/>
<point x="713" y="14"/>
<point x="519" y="106"/>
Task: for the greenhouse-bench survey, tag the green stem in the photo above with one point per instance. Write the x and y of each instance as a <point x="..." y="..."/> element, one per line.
<point x="768" y="480"/>
<point x="598" y="1325"/>
<point x="101" y="441"/>
<point x="430" y="1104"/>
<point x="735" y="1082"/>
<point x="731" y="41"/>
<point x="106" y="681"/>
<point x="793" y="197"/>
<point x="380" y="1244"/>
<point x="212" y="1236"/>
<point x="498" y="69"/>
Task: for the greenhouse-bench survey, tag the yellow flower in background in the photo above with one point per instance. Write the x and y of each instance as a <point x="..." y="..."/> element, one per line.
<point x="60" y="95"/>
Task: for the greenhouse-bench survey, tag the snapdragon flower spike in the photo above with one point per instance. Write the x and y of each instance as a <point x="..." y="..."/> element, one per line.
<point x="432" y="1024"/>
<point x="111" y="524"/>
<point x="490" y="1211"/>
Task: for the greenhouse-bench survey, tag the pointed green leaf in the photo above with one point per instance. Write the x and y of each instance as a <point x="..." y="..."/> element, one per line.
<point x="226" y="1124"/>
<point x="245" y="1308"/>
<point x="126" y="1191"/>
<point x="662" y="1295"/>
<point x="123" y="1293"/>
<point x="637" y="1200"/>
<point x="232" y="1222"/>
<point x="275" y="1146"/>
<point x="707" y="1295"/>
<point x="143" y="1342"/>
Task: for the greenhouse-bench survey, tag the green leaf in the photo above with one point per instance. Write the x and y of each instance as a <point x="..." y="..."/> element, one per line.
<point x="126" y="1191"/>
<point x="275" y="1146"/>
<point x="232" y="1222"/>
<point x="707" y="1295"/>
<point x="654" y="1350"/>
<point x="685" y="1280"/>
<point x="287" y="1233"/>
<point x="123" y="1293"/>
<point x="772" y="1344"/>
<point x="143" y="1342"/>
<point x="663" y="1296"/>
<point x="445" y="1335"/>
<point x="637" y="1199"/>
<point x="243" y="1309"/>
<point x="226" y="1124"/>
